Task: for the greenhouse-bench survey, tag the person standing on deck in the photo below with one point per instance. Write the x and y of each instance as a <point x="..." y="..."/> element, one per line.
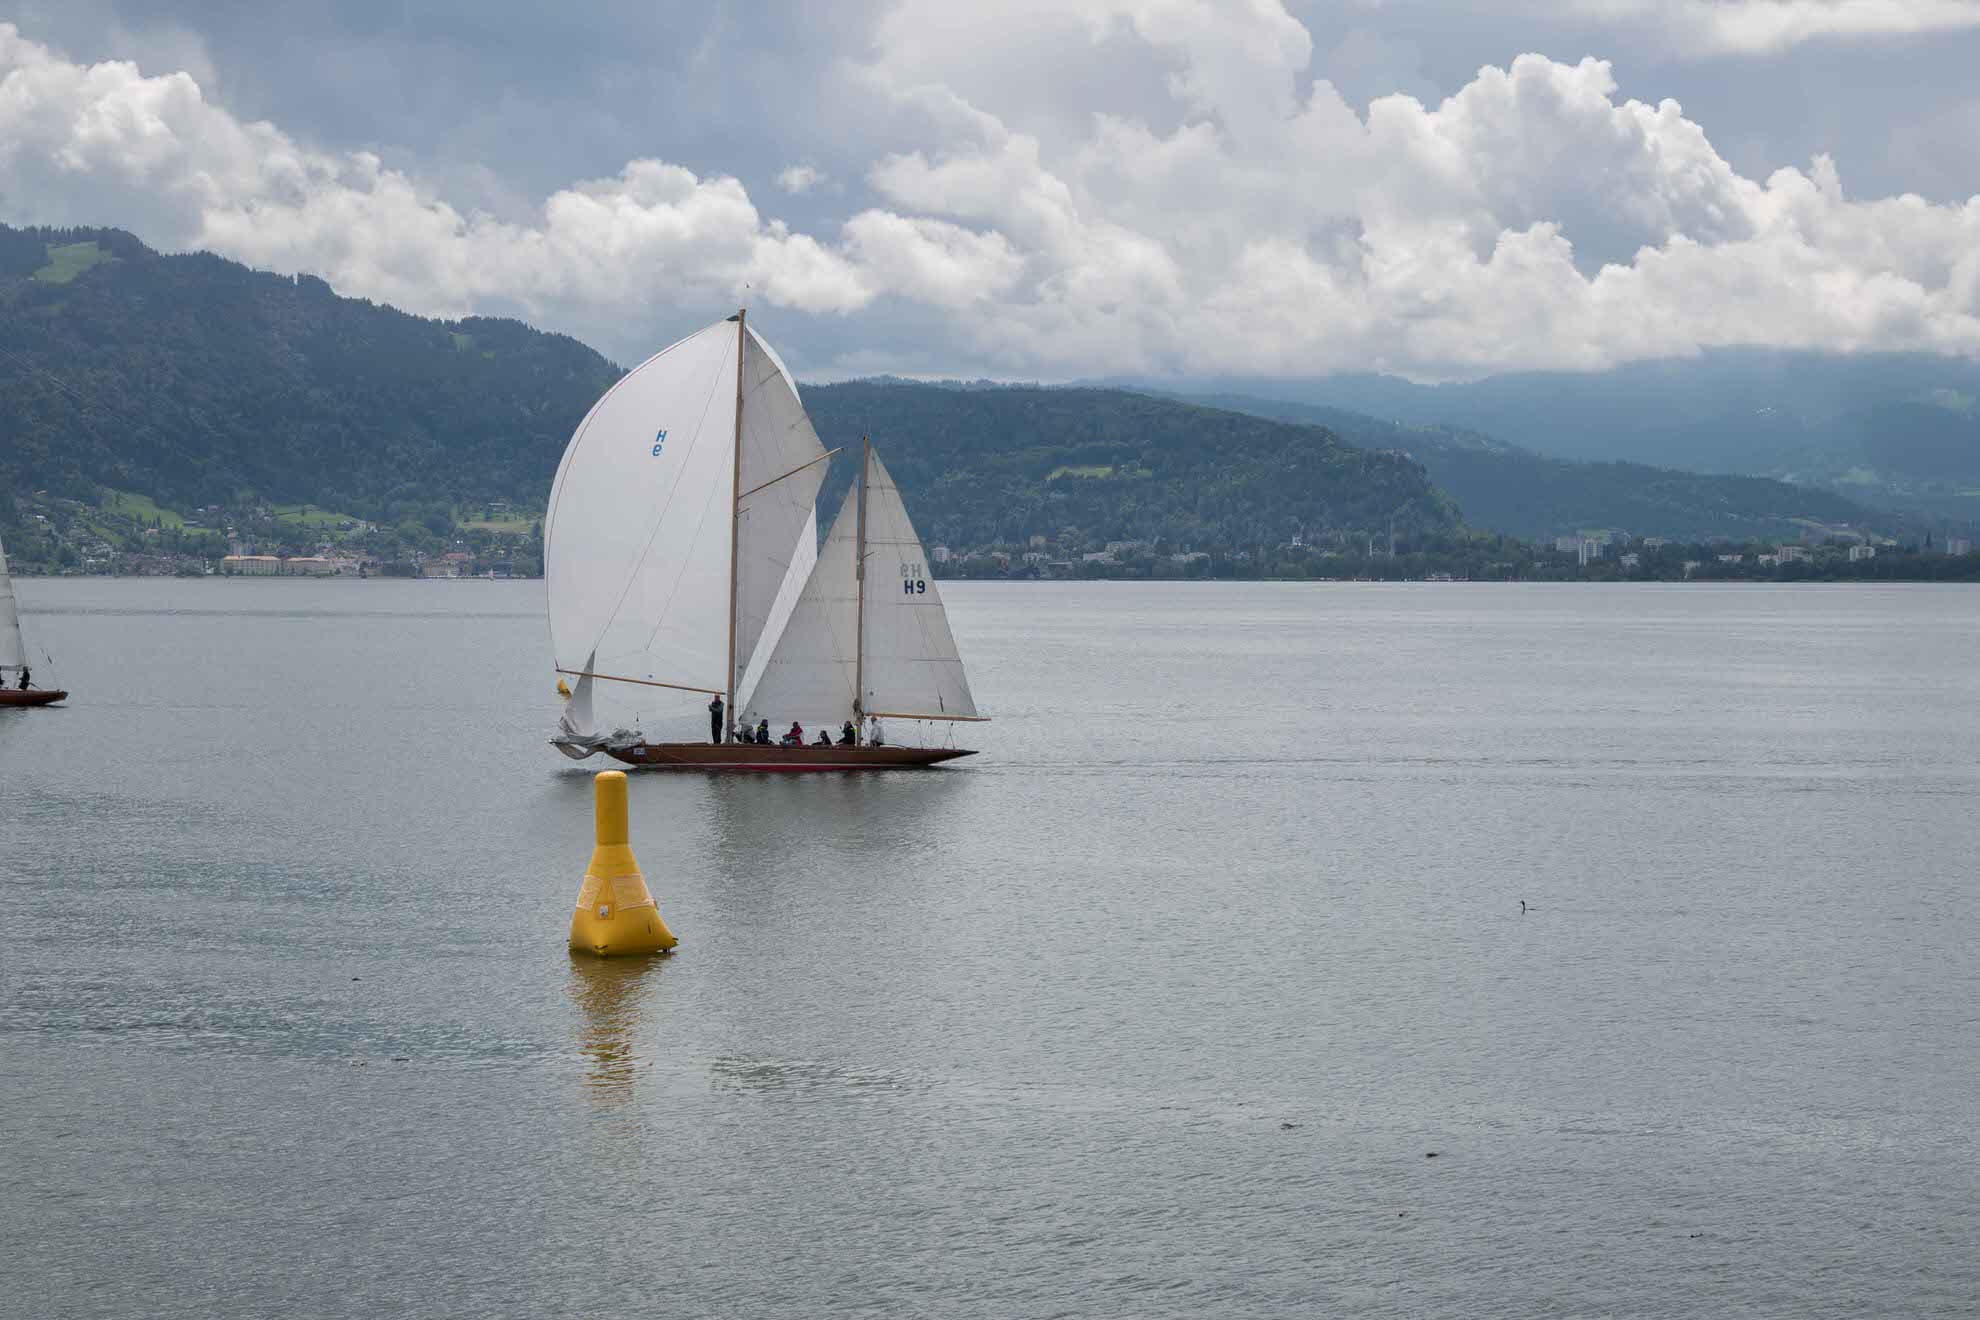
<point x="26" y="674"/>
<point x="715" y="719"/>
<point x="875" y="736"/>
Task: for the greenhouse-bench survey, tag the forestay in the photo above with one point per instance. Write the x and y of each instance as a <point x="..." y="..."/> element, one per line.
<point x="13" y="652"/>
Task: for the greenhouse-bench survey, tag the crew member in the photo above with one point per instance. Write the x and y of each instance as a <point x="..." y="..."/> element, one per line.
<point x="715" y="719"/>
<point x="795" y="738"/>
<point x="824" y="739"/>
<point x="848" y="735"/>
<point x="763" y="731"/>
<point x="875" y="735"/>
<point x="25" y="676"/>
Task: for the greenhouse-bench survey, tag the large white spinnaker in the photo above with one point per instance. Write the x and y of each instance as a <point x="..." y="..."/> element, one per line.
<point x="653" y="498"/>
<point x="636" y="540"/>
<point x="911" y="666"/>
<point x="13" y="652"/>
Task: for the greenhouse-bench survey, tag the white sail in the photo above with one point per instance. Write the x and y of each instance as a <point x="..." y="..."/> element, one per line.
<point x="776" y="514"/>
<point x="803" y="559"/>
<point x="577" y="723"/>
<point x="636" y="540"/>
<point x="911" y="665"/>
<point x="809" y="673"/>
<point x="13" y="652"/>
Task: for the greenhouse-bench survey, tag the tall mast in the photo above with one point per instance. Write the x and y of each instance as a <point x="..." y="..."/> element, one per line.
<point x="859" y="579"/>
<point x="735" y="506"/>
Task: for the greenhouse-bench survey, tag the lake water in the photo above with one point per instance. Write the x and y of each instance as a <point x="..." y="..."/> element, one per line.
<point x="1158" y="1008"/>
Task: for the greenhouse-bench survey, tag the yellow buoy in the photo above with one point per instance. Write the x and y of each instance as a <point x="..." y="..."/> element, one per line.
<point x="615" y="912"/>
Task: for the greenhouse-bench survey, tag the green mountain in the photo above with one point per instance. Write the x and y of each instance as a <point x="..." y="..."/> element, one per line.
<point x="168" y="383"/>
<point x="193" y="381"/>
<point x="1521" y="493"/>
<point x="1004" y="464"/>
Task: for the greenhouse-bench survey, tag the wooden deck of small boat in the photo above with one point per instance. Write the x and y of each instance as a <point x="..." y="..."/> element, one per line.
<point x="748" y="756"/>
<point x="31" y="697"/>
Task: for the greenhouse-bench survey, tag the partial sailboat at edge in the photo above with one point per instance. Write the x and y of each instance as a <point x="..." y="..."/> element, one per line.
<point x="15" y="672"/>
<point x="681" y="554"/>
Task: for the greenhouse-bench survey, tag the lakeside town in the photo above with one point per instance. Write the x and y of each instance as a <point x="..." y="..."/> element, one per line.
<point x="129" y="536"/>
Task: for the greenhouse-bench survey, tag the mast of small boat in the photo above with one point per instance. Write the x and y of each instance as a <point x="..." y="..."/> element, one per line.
<point x="859" y="580"/>
<point x="735" y="506"/>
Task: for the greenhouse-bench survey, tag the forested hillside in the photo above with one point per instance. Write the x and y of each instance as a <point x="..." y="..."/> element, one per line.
<point x="190" y="381"/>
<point x="988" y="465"/>
<point x="194" y="380"/>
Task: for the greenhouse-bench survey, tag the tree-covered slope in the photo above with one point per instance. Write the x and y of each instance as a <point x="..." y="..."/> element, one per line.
<point x="1521" y="493"/>
<point x="194" y="380"/>
<point x="985" y="465"/>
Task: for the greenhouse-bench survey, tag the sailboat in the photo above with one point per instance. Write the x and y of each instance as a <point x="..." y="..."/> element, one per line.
<point x="681" y="557"/>
<point x="13" y="651"/>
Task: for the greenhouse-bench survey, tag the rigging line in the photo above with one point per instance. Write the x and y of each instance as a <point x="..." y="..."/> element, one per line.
<point x="792" y="473"/>
<point x="643" y="682"/>
<point x="659" y="519"/>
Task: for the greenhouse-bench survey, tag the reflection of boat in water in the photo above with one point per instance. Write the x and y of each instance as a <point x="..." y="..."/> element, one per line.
<point x="682" y="559"/>
<point x="14" y="688"/>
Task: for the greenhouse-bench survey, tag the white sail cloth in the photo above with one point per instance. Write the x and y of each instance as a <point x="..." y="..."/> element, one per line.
<point x="13" y="651"/>
<point x="910" y="666"/>
<point x="644" y="514"/>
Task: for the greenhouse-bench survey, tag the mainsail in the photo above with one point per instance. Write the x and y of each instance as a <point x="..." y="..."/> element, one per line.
<point x="13" y="652"/>
<point x="673" y="528"/>
<point x="871" y="643"/>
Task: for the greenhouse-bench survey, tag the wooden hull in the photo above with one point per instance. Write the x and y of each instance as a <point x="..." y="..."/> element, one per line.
<point x="750" y="757"/>
<point x="31" y="697"/>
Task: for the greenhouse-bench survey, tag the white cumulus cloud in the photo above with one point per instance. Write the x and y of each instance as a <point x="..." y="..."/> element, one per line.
<point x="1246" y="219"/>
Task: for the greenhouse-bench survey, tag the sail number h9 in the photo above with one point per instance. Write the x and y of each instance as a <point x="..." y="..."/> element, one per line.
<point x="914" y="579"/>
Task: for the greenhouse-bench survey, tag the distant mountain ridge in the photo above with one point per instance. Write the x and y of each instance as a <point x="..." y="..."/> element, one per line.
<point x="1893" y="430"/>
<point x="1513" y="490"/>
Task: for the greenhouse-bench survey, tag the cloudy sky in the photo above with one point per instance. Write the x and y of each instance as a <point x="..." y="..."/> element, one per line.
<point x="1050" y="189"/>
